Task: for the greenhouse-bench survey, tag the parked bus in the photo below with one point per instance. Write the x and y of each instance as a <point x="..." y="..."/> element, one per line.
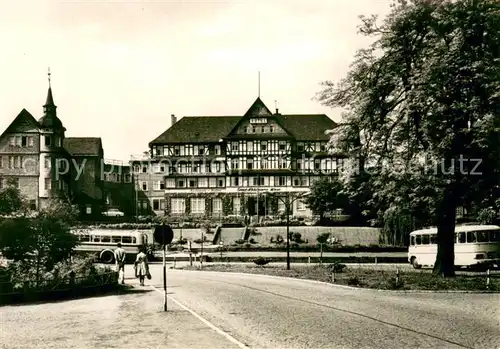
<point x="102" y="242"/>
<point x="475" y="246"/>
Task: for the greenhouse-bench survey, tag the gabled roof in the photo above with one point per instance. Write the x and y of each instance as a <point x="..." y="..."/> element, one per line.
<point x="24" y="121"/>
<point x="207" y="129"/>
<point x="258" y="108"/>
<point x="83" y="146"/>
<point x="308" y="127"/>
<point x="198" y="129"/>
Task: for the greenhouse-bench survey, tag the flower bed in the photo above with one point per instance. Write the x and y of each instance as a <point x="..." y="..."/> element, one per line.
<point x="67" y="279"/>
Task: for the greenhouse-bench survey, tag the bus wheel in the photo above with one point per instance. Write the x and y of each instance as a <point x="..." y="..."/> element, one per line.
<point x="414" y="263"/>
<point x="107" y="257"/>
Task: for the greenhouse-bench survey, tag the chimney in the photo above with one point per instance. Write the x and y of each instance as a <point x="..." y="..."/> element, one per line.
<point x="277" y="111"/>
<point x="173" y="119"/>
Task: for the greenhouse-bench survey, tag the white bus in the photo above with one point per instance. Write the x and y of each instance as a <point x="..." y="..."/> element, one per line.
<point x="475" y="246"/>
<point x="102" y="242"/>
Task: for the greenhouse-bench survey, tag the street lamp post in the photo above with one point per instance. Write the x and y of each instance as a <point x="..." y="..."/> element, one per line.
<point x="288" y="201"/>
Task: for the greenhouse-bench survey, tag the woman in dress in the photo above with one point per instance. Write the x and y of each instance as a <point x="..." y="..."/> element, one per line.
<point x="141" y="265"/>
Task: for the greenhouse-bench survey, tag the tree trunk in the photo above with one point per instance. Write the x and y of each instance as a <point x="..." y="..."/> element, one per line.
<point x="445" y="259"/>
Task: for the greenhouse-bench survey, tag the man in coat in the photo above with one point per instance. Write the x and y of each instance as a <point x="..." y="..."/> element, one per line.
<point x="120" y="255"/>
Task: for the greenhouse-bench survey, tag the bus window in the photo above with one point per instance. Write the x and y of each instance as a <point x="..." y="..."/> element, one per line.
<point x="105" y="239"/>
<point x="433" y="239"/>
<point x="85" y="238"/>
<point x="461" y="238"/>
<point x="418" y="239"/>
<point x="425" y="239"/>
<point x="127" y="239"/>
<point x="495" y="235"/>
<point x="96" y="238"/>
<point x="471" y="236"/>
<point x="134" y="240"/>
<point x="116" y="239"/>
<point x="412" y="240"/>
<point x="483" y="236"/>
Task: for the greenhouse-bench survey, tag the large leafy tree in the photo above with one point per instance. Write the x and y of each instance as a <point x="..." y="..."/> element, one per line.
<point x="422" y="109"/>
<point x="10" y="200"/>
<point x="326" y="195"/>
<point x="39" y="241"/>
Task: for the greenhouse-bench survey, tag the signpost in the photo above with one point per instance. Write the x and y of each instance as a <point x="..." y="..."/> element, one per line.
<point x="164" y="235"/>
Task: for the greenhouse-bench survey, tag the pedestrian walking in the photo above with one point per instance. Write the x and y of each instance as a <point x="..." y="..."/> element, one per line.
<point x="141" y="266"/>
<point x="120" y="256"/>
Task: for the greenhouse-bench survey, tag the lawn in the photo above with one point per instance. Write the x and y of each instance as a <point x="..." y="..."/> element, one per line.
<point x="369" y="278"/>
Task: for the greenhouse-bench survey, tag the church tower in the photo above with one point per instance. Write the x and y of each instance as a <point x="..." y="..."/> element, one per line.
<point x="53" y="164"/>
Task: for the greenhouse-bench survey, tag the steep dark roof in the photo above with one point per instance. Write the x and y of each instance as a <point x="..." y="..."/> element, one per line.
<point x="205" y="129"/>
<point x="50" y="119"/>
<point x="198" y="129"/>
<point x="50" y="99"/>
<point x="308" y="127"/>
<point x="24" y="121"/>
<point x="83" y="146"/>
<point x="258" y="108"/>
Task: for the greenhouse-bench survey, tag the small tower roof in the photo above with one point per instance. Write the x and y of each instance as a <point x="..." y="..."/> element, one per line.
<point x="49" y="118"/>
<point x="50" y="99"/>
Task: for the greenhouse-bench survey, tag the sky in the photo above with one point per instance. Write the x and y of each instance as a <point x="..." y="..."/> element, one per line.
<point x="119" y="69"/>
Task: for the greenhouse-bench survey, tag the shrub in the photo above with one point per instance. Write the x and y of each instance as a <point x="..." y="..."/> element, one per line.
<point x="394" y="284"/>
<point x="323" y="238"/>
<point x="353" y="281"/>
<point x="337" y="267"/>
<point x="278" y="239"/>
<point x="296" y="237"/>
<point x="261" y="261"/>
<point x="82" y="266"/>
<point x="239" y="242"/>
<point x="252" y="241"/>
<point x="254" y="232"/>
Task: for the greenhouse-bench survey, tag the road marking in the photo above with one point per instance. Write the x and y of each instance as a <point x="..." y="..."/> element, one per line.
<point x="205" y="321"/>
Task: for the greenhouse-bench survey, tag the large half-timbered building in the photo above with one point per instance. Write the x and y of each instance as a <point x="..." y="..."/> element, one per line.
<point x="235" y="165"/>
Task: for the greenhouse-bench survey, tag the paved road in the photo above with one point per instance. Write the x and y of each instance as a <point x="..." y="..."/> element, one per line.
<point x="265" y="312"/>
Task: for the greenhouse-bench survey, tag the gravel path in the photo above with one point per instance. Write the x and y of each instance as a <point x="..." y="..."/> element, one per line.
<point x="133" y="320"/>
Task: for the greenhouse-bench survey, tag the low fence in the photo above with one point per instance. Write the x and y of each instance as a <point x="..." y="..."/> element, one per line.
<point x="71" y="286"/>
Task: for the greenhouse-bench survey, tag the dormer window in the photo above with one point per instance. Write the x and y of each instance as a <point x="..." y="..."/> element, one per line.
<point x="245" y="129"/>
<point x="271" y="129"/>
<point x="48" y="141"/>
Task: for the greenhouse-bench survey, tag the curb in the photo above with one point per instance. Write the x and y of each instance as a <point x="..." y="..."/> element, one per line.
<point x="345" y="286"/>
